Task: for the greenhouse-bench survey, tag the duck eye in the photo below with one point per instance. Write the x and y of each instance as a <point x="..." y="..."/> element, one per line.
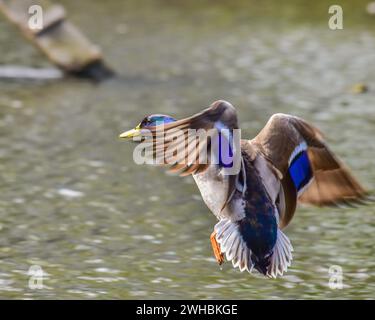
<point x="144" y="122"/>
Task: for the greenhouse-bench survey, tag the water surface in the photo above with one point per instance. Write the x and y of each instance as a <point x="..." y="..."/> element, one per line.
<point x="73" y="201"/>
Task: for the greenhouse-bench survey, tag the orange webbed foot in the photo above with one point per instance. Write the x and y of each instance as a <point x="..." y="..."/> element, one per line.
<point x="216" y="248"/>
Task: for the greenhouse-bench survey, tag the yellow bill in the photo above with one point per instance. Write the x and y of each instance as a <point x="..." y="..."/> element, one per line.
<point x="131" y="133"/>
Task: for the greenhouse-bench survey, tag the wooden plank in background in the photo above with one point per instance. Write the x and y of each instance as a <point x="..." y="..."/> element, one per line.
<point x="59" y="39"/>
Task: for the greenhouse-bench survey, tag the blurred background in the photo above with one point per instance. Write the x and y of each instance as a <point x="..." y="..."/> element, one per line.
<point x="73" y="202"/>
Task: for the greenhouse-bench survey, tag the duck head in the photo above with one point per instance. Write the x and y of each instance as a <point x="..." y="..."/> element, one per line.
<point x="147" y="122"/>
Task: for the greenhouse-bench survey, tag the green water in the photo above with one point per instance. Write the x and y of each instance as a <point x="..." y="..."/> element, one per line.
<point x="73" y="201"/>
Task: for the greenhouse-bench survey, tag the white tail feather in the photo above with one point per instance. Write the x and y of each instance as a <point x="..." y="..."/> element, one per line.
<point x="232" y="244"/>
<point x="236" y="250"/>
<point x="282" y="256"/>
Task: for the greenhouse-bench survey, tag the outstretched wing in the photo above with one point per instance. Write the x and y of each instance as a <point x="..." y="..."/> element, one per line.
<point x="309" y="169"/>
<point x="181" y="144"/>
<point x="185" y="150"/>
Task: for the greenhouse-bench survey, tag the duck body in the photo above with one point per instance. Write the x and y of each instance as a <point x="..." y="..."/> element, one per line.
<point x="254" y="212"/>
<point x="287" y="162"/>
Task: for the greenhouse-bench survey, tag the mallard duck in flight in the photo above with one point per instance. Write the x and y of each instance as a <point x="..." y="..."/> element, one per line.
<point x="287" y="162"/>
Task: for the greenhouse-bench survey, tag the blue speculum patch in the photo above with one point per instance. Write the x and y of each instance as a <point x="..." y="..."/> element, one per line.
<point x="300" y="170"/>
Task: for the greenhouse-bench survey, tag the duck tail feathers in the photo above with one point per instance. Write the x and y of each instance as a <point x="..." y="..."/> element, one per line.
<point x="232" y="245"/>
<point x="281" y="258"/>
